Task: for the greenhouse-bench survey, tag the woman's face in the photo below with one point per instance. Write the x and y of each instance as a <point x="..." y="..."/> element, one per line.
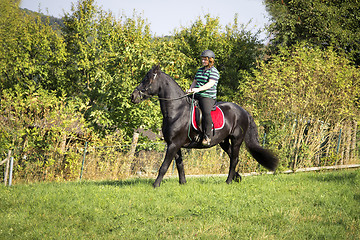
<point x="205" y="61"/>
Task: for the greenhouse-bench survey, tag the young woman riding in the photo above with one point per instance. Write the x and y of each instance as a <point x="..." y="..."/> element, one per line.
<point x="204" y="88"/>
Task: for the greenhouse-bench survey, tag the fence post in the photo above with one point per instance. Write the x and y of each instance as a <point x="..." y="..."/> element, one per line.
<point x="131" y="154"/>
<point x="173" y="168"/>
<point x="7" y="168"/>
<point x="11" y="170"/>
<point x="353" y="140"/>
<point x="264" y="140"/>
<point x="134" y="143"/>
<point x="348" y="138"/>
<point x="83" y="161"/>
<point x="339" y="140"/>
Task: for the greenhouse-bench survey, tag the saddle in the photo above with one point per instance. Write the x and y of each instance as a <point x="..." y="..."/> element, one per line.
<point x="217" y="116"/>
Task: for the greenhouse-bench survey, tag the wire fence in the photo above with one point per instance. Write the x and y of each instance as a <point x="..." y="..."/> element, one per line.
<point x="304" y="145"/>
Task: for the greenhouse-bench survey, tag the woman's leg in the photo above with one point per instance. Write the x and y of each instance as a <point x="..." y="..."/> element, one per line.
<point x="206" y="105"/>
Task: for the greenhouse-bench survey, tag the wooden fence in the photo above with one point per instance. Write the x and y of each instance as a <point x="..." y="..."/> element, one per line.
<point x="9" y="161"/>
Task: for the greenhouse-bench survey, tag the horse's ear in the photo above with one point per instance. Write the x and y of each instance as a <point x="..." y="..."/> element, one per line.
<point x="156" y="69"/>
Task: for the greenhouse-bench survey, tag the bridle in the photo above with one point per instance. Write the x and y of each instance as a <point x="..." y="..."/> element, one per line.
<point x="142" y="92"/>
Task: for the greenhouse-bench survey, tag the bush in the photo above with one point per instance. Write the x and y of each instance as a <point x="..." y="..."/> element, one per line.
<point x="303" y="97"/>
<point x="43" y="131"/>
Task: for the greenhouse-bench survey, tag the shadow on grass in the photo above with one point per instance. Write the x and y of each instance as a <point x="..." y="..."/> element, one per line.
<point x="149" y="181"/>
<point x="211" y="180"/>
<point x="123" y="183"/>
<point x="343" y="177"/>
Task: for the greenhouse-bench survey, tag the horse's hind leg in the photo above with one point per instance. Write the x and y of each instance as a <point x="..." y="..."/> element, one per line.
<point x="237" y="177"/>
<point x="226" y="146"/>
<point x="180" y="167"/>
<point x="234" y="159"/>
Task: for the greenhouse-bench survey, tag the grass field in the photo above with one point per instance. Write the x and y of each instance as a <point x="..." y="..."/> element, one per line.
<point x="317" y="205"/>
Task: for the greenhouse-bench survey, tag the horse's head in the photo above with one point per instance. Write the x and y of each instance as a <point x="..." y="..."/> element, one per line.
<point x="148" y="86"/>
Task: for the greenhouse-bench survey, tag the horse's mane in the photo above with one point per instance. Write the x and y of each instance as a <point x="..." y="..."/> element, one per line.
<point x="168" y="76"/>
<point x="156" y="68"/>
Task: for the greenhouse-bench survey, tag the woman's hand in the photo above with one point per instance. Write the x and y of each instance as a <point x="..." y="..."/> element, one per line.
<point x="193" y="90"/>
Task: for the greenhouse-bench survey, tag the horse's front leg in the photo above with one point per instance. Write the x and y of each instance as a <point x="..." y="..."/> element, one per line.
<point x="180" y="167"/>
<point x="170" y="154"/>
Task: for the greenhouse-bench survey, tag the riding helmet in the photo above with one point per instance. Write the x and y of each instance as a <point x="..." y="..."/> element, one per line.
<point x="208" y="53"/>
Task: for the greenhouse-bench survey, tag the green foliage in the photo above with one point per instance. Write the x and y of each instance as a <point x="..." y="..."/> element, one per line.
<point x="236" y="51"/>
<point x="108" y="58"/>
<point x="133" y="49"/>
<point x="172" y="61"/>
<point x="305" y="80"/>
<point x="245" y="49"/>
<point x="97" y="60"/>
<point x="41" y="129"/>
<point x="57" y="83"/>
<point x="31" y="51"/>
<point x="302" y="89"/>
<point x="322" y="23"/>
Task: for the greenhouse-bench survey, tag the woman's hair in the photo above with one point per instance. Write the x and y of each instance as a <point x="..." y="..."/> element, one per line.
<point x="211" y="62"/>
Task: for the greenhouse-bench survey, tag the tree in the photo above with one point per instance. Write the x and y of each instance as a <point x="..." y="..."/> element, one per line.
<point x="10" y="19"/>
<point x="244" y="51"/>
<point x="32" y="52"/>
<point x="82" y="46"/>
<point x="322" y="23"/>
<point x="303" y="80"/>
<point x="236" y="51"/>
<point x="134" y="56"/>
<point x="107" y="59"/>
<point x="97" y="60"/>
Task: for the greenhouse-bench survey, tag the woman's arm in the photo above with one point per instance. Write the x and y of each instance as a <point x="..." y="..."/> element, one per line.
<point x="193" y="84"/>
<point x="207" y="86"/>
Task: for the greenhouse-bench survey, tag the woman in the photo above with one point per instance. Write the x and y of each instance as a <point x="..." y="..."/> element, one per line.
<point x="204" y="87"/>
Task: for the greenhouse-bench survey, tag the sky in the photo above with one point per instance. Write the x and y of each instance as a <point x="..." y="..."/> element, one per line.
<point x="164" y="16"/>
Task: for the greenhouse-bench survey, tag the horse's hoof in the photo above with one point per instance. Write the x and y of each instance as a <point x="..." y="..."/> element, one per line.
<point x="237" y="178"/>
<point x="182" y="182"/>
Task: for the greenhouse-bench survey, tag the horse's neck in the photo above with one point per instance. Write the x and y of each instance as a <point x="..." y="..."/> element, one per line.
<point x="172" y="98"/>
<point x="169" y="88"/>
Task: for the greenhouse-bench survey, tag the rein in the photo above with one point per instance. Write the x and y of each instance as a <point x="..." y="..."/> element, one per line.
<point x="191" y="110"/>
<point x="165" y="99"/>
<point x="142" y="93"/>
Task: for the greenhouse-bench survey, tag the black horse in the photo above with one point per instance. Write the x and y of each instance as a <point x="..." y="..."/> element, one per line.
<point x="176" y="106"/>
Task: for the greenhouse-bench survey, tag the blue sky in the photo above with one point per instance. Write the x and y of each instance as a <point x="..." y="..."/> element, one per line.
<point x="164" y="16"/>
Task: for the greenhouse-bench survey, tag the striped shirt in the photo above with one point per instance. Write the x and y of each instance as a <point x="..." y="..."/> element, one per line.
<point x="203" y="76"/>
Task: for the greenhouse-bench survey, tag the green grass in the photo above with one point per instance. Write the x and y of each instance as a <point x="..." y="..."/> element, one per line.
<point x="323" y="205"/>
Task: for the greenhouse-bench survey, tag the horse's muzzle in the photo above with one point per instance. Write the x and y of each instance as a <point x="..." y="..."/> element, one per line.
<point x="136" y="96"/>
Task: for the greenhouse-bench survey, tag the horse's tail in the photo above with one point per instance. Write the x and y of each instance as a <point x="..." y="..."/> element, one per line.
<point x="263" y="156"/>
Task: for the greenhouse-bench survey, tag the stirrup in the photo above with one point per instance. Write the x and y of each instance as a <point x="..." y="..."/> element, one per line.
<point x="206" y="140"/>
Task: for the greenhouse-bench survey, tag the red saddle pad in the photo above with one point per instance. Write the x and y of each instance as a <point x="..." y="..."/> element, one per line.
<point x="217" y="116"/>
